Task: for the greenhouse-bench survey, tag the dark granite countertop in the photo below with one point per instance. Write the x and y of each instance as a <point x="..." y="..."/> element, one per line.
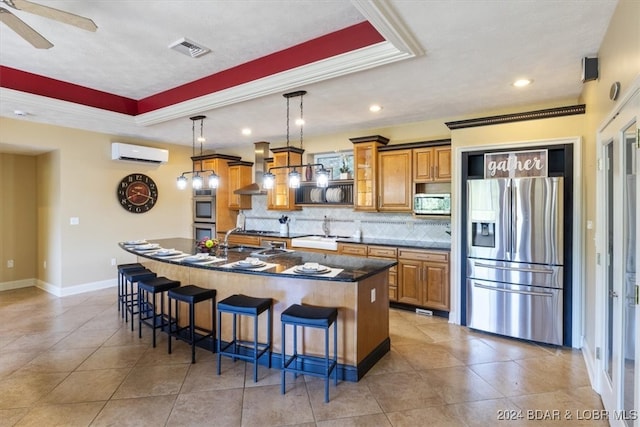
<point x="353" y="268"/>
<point x="412" y="244"/>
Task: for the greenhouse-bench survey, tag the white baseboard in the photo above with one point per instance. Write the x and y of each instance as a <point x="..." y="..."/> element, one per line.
<point x="78" y="289"/>
<point x="17" y="284"/>
<point x="591" y="364"/>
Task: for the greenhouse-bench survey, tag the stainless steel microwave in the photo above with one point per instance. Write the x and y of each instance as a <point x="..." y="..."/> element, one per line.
<point x="432" y="204"/>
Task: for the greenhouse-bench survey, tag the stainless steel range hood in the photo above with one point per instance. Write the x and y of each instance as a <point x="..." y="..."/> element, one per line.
<point x="261" y="152"/>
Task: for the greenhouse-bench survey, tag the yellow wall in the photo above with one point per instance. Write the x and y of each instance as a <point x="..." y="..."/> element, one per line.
<point x="18" y="242"/>
<point x="77" y="178"/>
<point x="619" y="60"/>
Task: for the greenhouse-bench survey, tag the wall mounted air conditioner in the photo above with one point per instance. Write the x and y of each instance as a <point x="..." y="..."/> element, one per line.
<point x="138" y="153"/>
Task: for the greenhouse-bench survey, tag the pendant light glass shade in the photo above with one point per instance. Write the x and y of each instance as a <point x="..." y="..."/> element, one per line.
<point x="214" y="180"/>
<point x="322" y="178"/>
<point x="182" y="182"/>
<point x="268" y="180"/>
<point x="196" y="182"/>
<point x="294" y="179"/>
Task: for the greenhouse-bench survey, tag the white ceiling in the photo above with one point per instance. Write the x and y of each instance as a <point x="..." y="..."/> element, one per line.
<point x="442" y="58"/>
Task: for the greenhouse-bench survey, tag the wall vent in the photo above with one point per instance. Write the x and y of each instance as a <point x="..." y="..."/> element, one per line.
<point x="189" y="47"/>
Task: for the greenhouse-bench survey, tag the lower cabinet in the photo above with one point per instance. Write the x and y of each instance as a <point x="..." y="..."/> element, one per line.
<point x="423" y="278"/>
<point x="380" y="252"/>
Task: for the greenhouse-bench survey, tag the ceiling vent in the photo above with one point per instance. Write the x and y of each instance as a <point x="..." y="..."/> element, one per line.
<point x="189" y="48"/>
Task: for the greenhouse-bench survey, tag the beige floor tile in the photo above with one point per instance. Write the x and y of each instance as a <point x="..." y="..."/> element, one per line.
<point x="459" y="384"/>
<point x="210" y="408"/>
<point x="143" y="411"/>
<point x="377" y="420"/>
<point x="427" y="356"/>
<point x="435" y="416"/>
<point x="65" y="360"/>
<point x="152" y="381"/>
<point x="402" y="391"/>
<point x="68" y="415"/>
<point x="87" y="386"/>
<point x="435" y="374"/>
<point x="265" y="406"/>
<point x="24" y="389"/>
<point x="348" y="399"/>
<point x="9" y="417"/>
<point x="202" y="376"/>
<point x="113" y="357"/>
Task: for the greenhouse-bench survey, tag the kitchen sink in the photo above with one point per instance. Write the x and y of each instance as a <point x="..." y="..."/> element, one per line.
<point x="242" y="248"/>
<point x="329" y="243"/>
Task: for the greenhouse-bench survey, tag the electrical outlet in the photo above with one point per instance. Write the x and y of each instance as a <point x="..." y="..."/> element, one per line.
<point x="10" y="263"/>
<point x="113" y="261"/>
<point x="373" y="295"/>
<point x="74" y="220"/>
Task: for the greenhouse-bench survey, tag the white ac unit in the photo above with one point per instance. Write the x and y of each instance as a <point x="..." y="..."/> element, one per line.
<point x="138" y="153"/>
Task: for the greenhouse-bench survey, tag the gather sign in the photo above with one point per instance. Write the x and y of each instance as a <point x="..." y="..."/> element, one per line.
<point x="516" y="164"/>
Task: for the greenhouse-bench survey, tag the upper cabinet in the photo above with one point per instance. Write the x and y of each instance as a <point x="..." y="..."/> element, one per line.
<point x="281" y="197"/>
<point x="365" y="182"/>
<point x="432" y="164"/>
<point x="239" y="176"/>
<point x="394" y="169"/>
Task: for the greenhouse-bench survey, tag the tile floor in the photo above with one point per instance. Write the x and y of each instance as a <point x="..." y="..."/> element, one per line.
<point x="73" y="362"/>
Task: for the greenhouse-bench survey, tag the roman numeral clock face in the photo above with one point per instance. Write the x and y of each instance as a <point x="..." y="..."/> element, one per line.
<point x="137" y="193"/>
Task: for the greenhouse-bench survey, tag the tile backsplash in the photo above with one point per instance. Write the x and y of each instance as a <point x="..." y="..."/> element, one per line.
<point x="344" y="221"/>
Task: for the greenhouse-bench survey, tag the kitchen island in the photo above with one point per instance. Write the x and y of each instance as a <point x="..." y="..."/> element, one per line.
<point x="358" y="287"/>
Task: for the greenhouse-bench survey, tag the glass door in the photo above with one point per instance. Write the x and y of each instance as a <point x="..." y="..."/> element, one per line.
<point x="620" y="385"/>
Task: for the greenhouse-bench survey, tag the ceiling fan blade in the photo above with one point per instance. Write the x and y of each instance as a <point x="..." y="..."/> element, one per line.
<point x="55" y="14"/>
<point x="23" y="30"/>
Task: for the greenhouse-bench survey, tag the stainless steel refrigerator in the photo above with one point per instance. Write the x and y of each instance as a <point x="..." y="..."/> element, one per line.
<point x="515" y="269"/>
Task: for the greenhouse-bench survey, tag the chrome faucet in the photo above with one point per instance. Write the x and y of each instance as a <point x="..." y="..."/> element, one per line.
<point x="226" y="236"/>
<point x="325" y="226"/>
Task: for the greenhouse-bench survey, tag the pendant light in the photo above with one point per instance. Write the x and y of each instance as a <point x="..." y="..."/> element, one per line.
<point x="322" y="175"/>
<point x="197" y="181"/>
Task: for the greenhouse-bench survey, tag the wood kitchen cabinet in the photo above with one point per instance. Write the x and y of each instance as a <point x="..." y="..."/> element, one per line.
<point x="396" y="186"/>
<point x="423" y="278"/>
<point x="240" y="239"/>
<point x="365" y="177"/>
<point x="281" y="197"/>
<point x="432" y="164"/>
<point x="380" y="252"/>
<point x="239" y="176"/>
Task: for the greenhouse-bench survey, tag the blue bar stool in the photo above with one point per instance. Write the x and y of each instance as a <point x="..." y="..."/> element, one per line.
<point x="131" y="278"/>
<point x="148" y="292"/>
<point x="308" y="316"/>
<point x="191" y="295"/>
<point x="250" y="351"/>
<point x="121" y="289"/>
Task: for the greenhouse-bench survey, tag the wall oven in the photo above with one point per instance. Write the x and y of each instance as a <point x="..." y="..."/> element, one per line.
<point x="204" y="209"/>
<point x="203" y="229"/>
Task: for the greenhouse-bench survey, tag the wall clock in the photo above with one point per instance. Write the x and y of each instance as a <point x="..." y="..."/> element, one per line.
<point x="137" y="193"/>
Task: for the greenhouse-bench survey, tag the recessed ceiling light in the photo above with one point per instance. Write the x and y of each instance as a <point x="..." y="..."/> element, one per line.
<point x="375" y="108"/>
<point x="20" y="113"/>
<point x="246" y="131"/>
<point x="299" y="122"/>
<point x="522" y="82"/>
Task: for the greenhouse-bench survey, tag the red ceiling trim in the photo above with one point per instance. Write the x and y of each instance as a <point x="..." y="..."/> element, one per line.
<point x="23" y="81"/>
<point x="336" y="43"/>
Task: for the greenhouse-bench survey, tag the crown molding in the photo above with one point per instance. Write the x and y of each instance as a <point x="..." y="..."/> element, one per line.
<point x="340" y="65"/>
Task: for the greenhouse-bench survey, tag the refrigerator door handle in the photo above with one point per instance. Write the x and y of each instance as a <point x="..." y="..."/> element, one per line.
<point x="512" y="291"/>
<point x="523" y="269"/>
<point x="514" y="219"/>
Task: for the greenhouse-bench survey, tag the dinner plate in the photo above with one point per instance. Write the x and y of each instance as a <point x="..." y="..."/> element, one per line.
<point x="320" y="270"/>
<point x="167" y="252"/>
<point x="135" y="242"/>
<point x="255" y="264"/>
<point x="146" y="247"/>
